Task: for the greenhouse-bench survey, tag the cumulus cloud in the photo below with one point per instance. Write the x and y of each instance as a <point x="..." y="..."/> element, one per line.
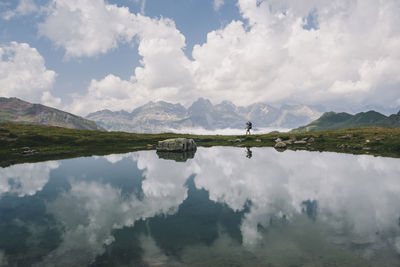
<point x="274" y="58"/>
<point x="352" y="196"/>
<point x="23" y="73"/>
<point x="111" y="92"/>
<point x="99" y="208"/>
<point x="49" y="100"/>
<point x="345" y="192"/>
<point x="88" y="27"/>
<point x="348" y="55"/>
<point x="25" y="179"/>
<point x="165" y="72"/>
<point x="24" y="7"/>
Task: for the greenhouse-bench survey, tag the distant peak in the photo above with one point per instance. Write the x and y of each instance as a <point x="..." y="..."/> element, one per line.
<point x="202" y="100"/>
<point x="227" y="102"/>
<point x="329" y="113"/>
<point x="11" y="99"/>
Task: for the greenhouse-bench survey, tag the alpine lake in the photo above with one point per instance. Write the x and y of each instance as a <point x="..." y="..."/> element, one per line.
<point x="222" y="206"/>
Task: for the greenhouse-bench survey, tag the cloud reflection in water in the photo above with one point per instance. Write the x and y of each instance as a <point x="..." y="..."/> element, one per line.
<point x="345" y="199"/>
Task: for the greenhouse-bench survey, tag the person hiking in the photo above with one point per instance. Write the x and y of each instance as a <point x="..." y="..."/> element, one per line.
<point x="249" y="125"/>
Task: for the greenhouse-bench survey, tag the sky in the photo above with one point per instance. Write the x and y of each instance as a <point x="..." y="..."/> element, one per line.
<point x="87" y="55"/>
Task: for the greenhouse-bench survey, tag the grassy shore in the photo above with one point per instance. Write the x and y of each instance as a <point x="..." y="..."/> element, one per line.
<point x="31" y="143"/>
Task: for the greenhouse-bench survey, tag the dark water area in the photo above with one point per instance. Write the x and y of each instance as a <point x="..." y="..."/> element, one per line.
<point x="223" y="206"/>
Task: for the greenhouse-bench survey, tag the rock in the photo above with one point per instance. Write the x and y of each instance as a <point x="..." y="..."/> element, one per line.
<point x="177" y="145"/>
<point x="278" y="140"/>
<point x="311" y="139"/>
<point x="235" y="140"/>
<point x="292" y="138"/>
<point x="280" y="145"/>
<point x="149" y="146"/>
<point x="29" y="152"/>
<point x="178" y="157"/>
<point x="288" y="142"/>
<point x="258" y="140"/>
<point x="302" y="142"/>
<point x="347" y="136"/>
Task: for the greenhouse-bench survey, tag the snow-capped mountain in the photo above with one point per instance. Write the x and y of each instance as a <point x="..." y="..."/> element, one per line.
<point x="162" y="116"/>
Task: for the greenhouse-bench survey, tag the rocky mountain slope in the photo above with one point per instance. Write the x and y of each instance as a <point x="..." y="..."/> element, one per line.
<point x="336" y="121"/>
<point x="162" y="116"/>
<point x="18" y="111"/>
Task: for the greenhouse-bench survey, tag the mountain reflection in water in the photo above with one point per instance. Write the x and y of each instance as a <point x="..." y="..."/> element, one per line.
<point x="222" y="207"/>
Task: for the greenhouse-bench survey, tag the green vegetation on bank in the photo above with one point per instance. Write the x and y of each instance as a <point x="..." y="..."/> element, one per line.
<point x="14" y="110"/>
<point x="342" y="120"/>
<point x="30" y="143"/>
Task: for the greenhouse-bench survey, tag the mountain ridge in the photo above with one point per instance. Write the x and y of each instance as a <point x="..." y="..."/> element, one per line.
<point x="15" y="110"/>
<point x="342" y="120"/>
<point x="162" y="116"/>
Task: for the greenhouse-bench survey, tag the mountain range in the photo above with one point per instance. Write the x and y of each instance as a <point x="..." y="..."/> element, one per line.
<point x="343" y="120"/>
<point x="18" y="111"/>
<point x="163" y="116"/>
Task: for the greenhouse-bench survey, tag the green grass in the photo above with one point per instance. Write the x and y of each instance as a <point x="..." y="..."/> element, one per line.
<point x="59" y="143"/>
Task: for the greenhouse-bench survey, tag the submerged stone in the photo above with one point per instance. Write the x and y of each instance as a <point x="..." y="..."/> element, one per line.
<point x="176" y="156"/>
<point x="280" y="145"/>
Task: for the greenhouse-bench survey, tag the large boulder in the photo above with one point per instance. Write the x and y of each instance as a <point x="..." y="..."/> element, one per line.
<point x="177" y="145"/>
<point x="280" y="145"/>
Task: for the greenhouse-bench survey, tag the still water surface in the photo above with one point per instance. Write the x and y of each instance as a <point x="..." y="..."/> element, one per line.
<point x="224" y="207"/>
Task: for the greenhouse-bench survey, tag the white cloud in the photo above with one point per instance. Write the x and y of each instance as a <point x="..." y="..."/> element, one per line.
<point x="275" y="59"/>
<point x="111" y="93"/>
<point x="99" y="208"/>
<point x="218" y="4"/>
<point x="25" y="179"/>
<point x="350" y="56"/>
<point x="165" y="73"/>
<point x="24" y="7"/>
<point x="23" y="73"/>
<point x="354" y="191"/>
<point x="87" y="27"/>
<point x="226" y="131"/>
<point x="49" y="100"/>
<point x="352" y="196"/>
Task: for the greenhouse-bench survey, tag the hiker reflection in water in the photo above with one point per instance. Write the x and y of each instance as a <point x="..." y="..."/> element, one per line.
<point x="249" y="125"/>
<point x="249" y="153"/>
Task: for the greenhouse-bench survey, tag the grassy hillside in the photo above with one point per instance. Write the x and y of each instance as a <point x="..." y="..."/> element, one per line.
<point x="336" y="121"/>
<point x="47" y="143"/>
<point x="15" y="110"/>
